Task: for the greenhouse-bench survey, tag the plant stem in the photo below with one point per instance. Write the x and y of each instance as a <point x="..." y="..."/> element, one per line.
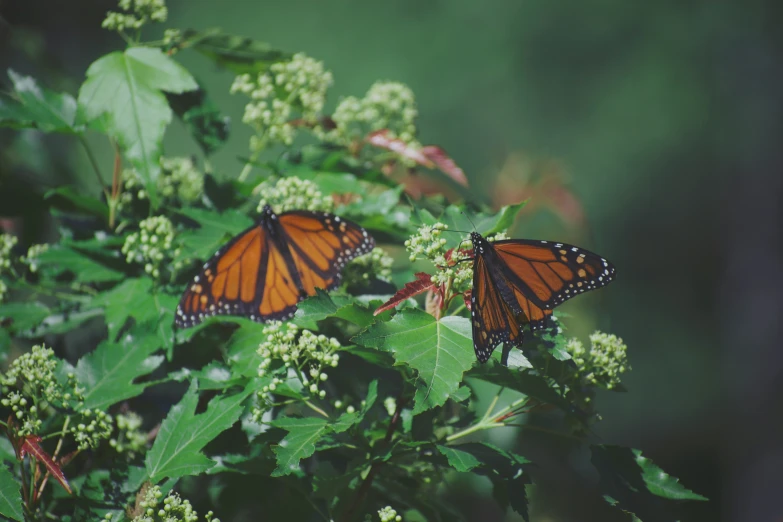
<point x="489" y="420"/>
<point x="95" y="167"/>
<point x="367" y="483"/>
<point x="248" y="167"/>
<point x="316" y="408"/>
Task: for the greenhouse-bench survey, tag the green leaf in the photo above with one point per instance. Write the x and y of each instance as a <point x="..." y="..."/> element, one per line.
<point x="178" y="448"/>
<point x="329" y="182"/>
<point x="202" y="118"/>
<point x="299" y="443"/>
<point x="458" y="459"/>
<point x="634" y="484"/>
<point x="460" y="219"/>
<point x="67" y="199"/>
<point x="243" y="348"/>
<point x="662" y="484"/>
<point x="236" y="53"/>
<point x="58" y="259"/>
<point x="505" y="470"/>
<point x="24" y="316"/>
<point x="322" y="305"/>
<point x="37" y="107"/>
<point x="503" y="463"/>
<point x="522" y="381"/>
<point x="109" y="372"/>
<point x="347" y="420"/>
<point x="371" y="355"/>
<point x="135" y="298"/>
<point x="123" y="91"/>
<point x="462" y="394"/>
<point x="10" y="496"/>
<point x="441" y="351"/>
<point x="504" y="219"/>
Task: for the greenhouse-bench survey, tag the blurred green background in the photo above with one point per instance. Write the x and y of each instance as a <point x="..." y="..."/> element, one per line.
<point x="662" y="118"/>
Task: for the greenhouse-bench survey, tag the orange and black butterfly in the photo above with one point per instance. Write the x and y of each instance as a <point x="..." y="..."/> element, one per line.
<point x="520" y="281"/>
<point x="266" y="270"/>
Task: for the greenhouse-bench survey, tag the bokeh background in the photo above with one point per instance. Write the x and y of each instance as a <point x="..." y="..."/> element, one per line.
<point x="649" y="132"/>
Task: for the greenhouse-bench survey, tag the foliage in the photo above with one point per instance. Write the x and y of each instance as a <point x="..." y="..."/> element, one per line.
<point x="358" y="407"/>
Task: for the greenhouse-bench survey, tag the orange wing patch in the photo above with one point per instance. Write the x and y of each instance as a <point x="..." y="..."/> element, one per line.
<point x="321" y="245"/>
<point x="493" y="320"/>
<point x="280" y="292"/>
<point x="549" y="273"/>
<point x="266" y="270"/>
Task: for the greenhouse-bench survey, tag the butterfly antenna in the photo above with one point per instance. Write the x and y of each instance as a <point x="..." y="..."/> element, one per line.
<point x="468" y="218"/>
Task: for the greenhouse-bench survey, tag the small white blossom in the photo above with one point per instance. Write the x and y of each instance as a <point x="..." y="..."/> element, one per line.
<point x="130" y="438"/>
<point x="143" y="11"/>
<point x="7" y="243"/>
<point x="292" y="193"/>
<point x="388" y="514"/>
<point x="308" y="353"/>
<point x="289" y="90"/>
<point x="429" y="244"/>
<point x="387" y="105"/>
<point x="605" y="362"/>
<point x="31" y="259"/>
<point x="374" y="264"/>
<point x="153" y="246"/>
<point x="179" y="181"/>
<point x="172" y="508"/>
<point x="31" y="389"/>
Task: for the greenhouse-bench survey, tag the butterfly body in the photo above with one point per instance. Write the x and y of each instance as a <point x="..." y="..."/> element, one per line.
<point x="264" y="271"/>
<point x="520" y="281"/>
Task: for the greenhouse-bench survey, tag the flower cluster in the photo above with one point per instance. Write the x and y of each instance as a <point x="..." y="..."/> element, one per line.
<point x="180" y="181"/>
<point x="303" y="351"/>
<point x="374" y="264"/>
<point x="292" y="193"/>
<point x="7" y="243"/>
<point x="605" y="362"/>
<point x="287" y="90"/>
<point x="143" y="11"/>
<point x="387" y="105"/>
<point x="131" y="439"/>
<point x="153" y="245"/>
<point x="429" y="244"/>
<point x="30" y="387"/>
<point x="31" y="259"/>
<point x="388" y="514"/>
<point x="92" y="426"/>
<point x="174" y="508"/>
<point x="171" y="36"/>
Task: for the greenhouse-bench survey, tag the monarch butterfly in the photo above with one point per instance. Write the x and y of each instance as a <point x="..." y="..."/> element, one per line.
<point x="519" y="281"/>
<point x="263" y="272"/>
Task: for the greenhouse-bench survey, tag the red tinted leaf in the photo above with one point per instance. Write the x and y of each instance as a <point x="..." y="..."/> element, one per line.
<point x="381" y="139"/>
<point x="466" y="297"/>
<point x="32" y="446"/>
<point x="442" y="160"/>
<point x="422" y="284"/>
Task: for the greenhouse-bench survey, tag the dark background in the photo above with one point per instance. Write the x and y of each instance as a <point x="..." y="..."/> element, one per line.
<point x="662" y="118"/>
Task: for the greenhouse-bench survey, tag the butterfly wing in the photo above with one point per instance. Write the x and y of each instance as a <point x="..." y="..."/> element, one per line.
<point x="229" y="283"/>
<point x="320" y="245"/>
<point x="494" y="321"/>
<point x="264" y="278"/>
<point x="544" y="274"/>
